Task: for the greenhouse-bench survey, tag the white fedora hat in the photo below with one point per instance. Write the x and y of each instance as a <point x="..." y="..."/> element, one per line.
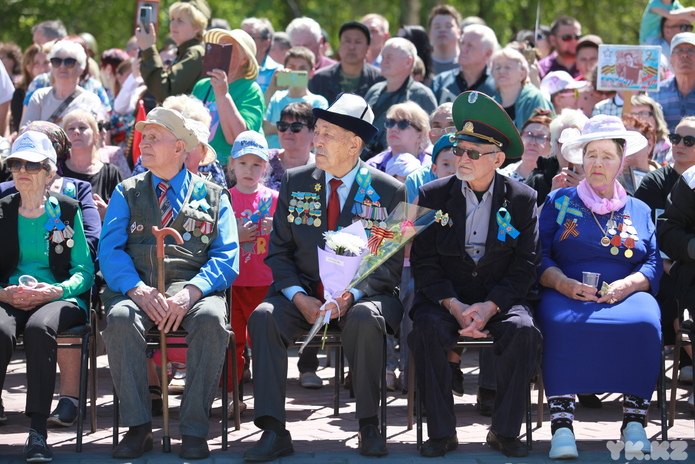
<point x="599" y="127"/>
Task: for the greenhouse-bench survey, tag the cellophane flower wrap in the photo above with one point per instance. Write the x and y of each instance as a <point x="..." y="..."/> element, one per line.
<point x="338" y="262"/>
<point x="392" y="234"/>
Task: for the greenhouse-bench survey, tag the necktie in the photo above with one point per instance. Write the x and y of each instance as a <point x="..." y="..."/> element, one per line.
<point x="164" y="204"/>
<point x="333" y="208"/>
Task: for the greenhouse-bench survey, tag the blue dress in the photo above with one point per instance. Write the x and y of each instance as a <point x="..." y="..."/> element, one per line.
<point x="590" y="347"/>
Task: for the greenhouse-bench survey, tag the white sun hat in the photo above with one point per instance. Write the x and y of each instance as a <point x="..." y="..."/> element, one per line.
<point x="599" y="127"/>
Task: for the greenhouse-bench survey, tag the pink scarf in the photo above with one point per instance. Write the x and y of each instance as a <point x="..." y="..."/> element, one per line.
<point x="602" y="205"/>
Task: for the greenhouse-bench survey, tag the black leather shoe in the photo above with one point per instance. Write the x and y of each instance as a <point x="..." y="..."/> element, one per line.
<point x="485" y="401"/>
<point x="370" y="441"/>
<point x="270" y="447"/>
<point x="435" y="447"/>
<point x="456" y="379"/>
<point x="136" y="441"/>
<point x="510" y="446"/>
<point x="194" y="447"/>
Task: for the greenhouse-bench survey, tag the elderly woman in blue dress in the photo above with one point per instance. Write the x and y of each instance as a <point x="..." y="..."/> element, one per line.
<point x="605" y="338"/>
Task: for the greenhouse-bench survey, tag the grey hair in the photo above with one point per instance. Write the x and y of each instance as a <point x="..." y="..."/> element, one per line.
<point x="304" y="24"/>
<point x="71" y="48"/>
<point x="189" y="107"/>
<point x="487" y="36"/>
<point x="404" y="45"/>
<point x="567" y="118"/>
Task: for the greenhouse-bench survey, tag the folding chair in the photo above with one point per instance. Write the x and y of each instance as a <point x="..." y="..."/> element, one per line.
<point x="415" y="404"/>
<point x="687" y="329"/>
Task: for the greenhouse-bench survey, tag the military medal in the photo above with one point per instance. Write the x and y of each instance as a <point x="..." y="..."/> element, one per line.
<point x="290" y="217"/>
<point x="188" y="226"/>
<point x="59" y="248"/>
<point x="605" y="241"/>
<point x="70" y="243"/>
<point x="205" y="229"/>
<point x="629" y="244"/>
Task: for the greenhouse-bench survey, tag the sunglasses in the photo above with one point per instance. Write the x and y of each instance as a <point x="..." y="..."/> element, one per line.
<point x="540" y="139"/>
<point x="402" y="124"/>
<point x="570" y="37"/>
<point x="31" y="167"/>
<point x="104" y="126"/>
<point x="68" y="62"/>
<point x="472" y="154"/>
<point x="688" y="140"/>
<point x="681" y="27"/>
<point x="295" y="127"/>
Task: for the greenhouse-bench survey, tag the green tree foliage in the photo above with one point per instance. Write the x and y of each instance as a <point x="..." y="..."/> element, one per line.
<point x="111" y="21"/>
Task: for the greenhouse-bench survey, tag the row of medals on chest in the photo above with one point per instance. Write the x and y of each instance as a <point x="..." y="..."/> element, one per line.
<point x="616" y="234"/>
<point x="308" y="211"/>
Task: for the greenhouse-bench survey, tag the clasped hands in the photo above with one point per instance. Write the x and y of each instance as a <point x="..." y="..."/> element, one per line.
<point x="26" y="299"/>
<point x="166" y="312"/>
<point x="473" y="318"/>
<point x="310" y="307"/>
<point x="617" y="291"/>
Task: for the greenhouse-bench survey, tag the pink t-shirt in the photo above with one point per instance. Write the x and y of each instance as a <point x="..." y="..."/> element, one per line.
<point x="253" y="272"/>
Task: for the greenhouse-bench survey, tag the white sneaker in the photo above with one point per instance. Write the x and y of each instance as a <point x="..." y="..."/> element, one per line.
<point x="685" y="375"/>
<point x="562" y="445"/>
<point x="635" y="438"/>
<point x="177" y="383"/>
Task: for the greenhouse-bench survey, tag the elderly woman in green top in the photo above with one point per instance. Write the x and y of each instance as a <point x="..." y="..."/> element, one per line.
<point x="233" y="97"/>
<point x="45" y="286"/>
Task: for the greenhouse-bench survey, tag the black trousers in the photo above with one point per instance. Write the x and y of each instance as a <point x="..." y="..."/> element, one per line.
<point x="516" y="349"/>
<point x="40" y="327"/>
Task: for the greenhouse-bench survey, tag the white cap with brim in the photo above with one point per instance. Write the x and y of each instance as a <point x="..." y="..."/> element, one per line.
<point x="34" y="147"/>
<point x="174" y="122"/>
<point x="250" y="143"/>
<point x="352" y="113"/>
<point x="203" y="133"/>
<point x="557" y="81"/>
<point x="682" y="38"/>
<point x="599" y="127"/>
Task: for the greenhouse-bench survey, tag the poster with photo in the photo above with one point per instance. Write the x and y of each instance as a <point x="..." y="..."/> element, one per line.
<point x="628" y="67"/>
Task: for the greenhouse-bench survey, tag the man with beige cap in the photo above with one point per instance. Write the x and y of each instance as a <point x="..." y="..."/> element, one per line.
<point x="197" y="274"/>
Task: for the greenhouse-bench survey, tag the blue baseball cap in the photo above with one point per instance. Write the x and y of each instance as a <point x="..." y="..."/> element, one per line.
<point x="250" y="143"/>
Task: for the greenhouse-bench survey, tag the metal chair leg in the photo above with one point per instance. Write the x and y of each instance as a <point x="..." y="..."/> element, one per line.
<point x="82" y="403"/>
<point x="116" y="413"/>
<point x="662" y="395"/>
<point x="383" y="392"/>
<point x="674" y="379"/>
<point x="92" y="373"/>
<point x="337" y="377"/>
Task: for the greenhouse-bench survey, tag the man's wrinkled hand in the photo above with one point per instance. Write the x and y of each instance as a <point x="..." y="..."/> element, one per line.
<point x="153" y="303"/>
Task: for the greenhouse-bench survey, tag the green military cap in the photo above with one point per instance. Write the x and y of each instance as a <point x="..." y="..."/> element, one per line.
<point x="480" y="119"/>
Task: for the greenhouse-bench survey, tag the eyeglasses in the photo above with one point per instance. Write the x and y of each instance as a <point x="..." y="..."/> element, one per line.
<point x="444" y="130"/>
<point x="402" y="124"/>
<point x="643" y="114"/>
<point x="31" y="167"/>
<point x="681" y="27"/>
<point x="684" y="51"/>
<point x="472" y="154"/>
<point x="688" y="140"/>
<point x="295" y="127"/>
<point x="540" y="139"/>
<point x="570" y="37"/>
<point x="68" y="62"/>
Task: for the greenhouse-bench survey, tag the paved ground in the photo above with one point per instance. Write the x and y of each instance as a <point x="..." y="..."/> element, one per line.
<point x="322" y="438"/>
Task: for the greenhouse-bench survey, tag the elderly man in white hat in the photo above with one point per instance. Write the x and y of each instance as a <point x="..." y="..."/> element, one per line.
<point x="342" y="189"/>
<point x="197" y="274"/>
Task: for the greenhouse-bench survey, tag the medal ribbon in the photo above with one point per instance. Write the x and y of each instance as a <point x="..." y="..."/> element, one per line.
<point x="70" y="190"/>
<point x="206" y="228"/>
<point x="504" y="219"/>
<point x="199" y="192"/>
<point x="378" y="236"/>
<point x="263" y="209"/>
<point x="53" y="210"/>
<point x="562" y="205"/>
<point x="570" y="229"/>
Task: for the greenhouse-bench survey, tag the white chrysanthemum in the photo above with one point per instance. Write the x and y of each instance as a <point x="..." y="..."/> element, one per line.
<point x="344" y="244"/>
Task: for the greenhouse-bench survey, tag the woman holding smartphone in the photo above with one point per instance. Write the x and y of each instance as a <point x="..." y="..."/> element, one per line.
<point x="186" y="27"/>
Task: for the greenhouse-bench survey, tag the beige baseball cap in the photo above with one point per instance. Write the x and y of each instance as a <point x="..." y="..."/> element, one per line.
<point x="174" y="122"/>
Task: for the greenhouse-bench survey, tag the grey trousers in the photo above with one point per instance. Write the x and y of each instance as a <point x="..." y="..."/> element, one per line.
<point x="207" y="341"/>
<point x="276" y="323"/>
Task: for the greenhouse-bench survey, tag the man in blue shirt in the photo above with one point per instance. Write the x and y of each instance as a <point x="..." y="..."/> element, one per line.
<point x="677" y="94"/>
<point x="196" y="275"/>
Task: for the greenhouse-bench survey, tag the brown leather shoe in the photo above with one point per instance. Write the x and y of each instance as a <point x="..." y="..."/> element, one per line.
<point x="194" y="447"/>
<point x="136" y="441"/>
<point x="510" y="446"/>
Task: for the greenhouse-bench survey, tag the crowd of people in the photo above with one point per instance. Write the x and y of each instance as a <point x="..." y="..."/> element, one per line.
<point x="564" y="213"/>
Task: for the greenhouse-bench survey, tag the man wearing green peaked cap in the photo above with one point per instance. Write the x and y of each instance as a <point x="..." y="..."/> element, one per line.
<point x="475" y="271"/>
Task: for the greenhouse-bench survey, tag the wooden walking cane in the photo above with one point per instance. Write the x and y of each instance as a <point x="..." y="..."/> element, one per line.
<point x="160" y="235"/>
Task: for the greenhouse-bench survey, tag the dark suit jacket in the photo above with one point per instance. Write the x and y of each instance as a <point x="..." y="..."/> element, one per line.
<point x="506" y="273"/>
<point x="326" y="81"/>
<point x="292" y="255"/>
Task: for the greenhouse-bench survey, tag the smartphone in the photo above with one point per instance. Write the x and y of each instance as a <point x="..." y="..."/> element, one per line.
<point x="217" y="56"/>
<point x="293" y="79"/>
<point x="145" y="18"/>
